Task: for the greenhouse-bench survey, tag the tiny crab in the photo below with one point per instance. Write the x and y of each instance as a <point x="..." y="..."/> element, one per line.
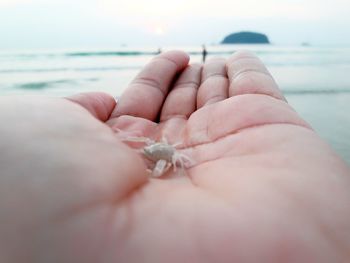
<point x="162" y="155"/>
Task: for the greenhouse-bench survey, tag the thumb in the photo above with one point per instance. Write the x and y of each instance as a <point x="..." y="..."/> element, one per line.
<point x="124" y="169"/>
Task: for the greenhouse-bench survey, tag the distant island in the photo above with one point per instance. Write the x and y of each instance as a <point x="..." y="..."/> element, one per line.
<point x="246" y="38"/>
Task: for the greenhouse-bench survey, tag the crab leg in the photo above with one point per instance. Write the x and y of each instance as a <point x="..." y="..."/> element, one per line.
<point x="145" y="140"/>
<point x="161" y="167"/>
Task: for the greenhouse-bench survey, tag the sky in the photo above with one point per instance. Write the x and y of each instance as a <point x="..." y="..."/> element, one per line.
<point x="110" y="23"/>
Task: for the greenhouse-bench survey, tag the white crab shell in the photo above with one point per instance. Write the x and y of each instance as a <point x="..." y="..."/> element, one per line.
<point x="160" y="151"/>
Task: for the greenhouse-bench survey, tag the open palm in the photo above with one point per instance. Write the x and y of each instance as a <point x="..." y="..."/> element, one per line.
<point x="263" y="188"/>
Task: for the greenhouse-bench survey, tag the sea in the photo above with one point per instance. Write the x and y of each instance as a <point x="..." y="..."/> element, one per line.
<point x="314" y="79"/>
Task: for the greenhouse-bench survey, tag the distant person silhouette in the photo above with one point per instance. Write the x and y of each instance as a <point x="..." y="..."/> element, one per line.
<point x="204" y="53"/>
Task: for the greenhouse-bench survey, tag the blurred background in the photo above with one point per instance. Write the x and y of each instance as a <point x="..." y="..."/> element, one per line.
<point x="62" y="47"/>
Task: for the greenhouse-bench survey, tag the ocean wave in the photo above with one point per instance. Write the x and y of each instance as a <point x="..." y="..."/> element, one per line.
<point x="79" y="54"/>
<point x="42" y="84"/>
<point x="39" y="70"/>
<point x="47" y="84"/>
<point x="118" y="54"/>
<point x="315" y="91"/>
<point x="109" y="53"/>
<point x="122" y="68"/>
<point x="112" y="53"/>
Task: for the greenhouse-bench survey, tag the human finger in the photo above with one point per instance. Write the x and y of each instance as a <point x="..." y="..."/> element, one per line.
<point x="248" y="75"/>
<point x="181" y="101"/>
<point x="214" y="86"/>
<point x="146" y="93"/>
<point x="99" y="104"/>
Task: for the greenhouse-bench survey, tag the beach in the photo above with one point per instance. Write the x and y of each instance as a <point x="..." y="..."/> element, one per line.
<point x="314" y="80"/>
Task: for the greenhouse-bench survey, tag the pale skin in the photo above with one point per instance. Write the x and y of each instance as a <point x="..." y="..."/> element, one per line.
<point x="264" y="187"/>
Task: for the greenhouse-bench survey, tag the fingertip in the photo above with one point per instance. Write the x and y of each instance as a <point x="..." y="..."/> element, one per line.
<point x="196" y="65"/>
<point x="181" y="101"/>
<point x="99" y="104"/>
<point x="215" y="59"/>
<point x="214" y="82"/>
<point x="248" y="75"/>
<point x="237" y="55"/>
<point x="147" y="92"/>
<point x="178" y="57"/>
<point x="241" y="54"/>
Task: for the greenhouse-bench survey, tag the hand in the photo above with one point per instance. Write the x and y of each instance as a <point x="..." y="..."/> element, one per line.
<point x="63" y="173"/>
<point x="265" y="187"/>
<point x="71" y="192"/>
<point x="64" y="176"/>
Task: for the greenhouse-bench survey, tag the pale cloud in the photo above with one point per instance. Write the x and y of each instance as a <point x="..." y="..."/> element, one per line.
<point x="168" y="10"/>
<point x="170" y="22"/>
<point x="6" y="3"/>
<point x="153" y="14"/>
<point x="263" y="15"/>
<point x="156" y="9"/>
